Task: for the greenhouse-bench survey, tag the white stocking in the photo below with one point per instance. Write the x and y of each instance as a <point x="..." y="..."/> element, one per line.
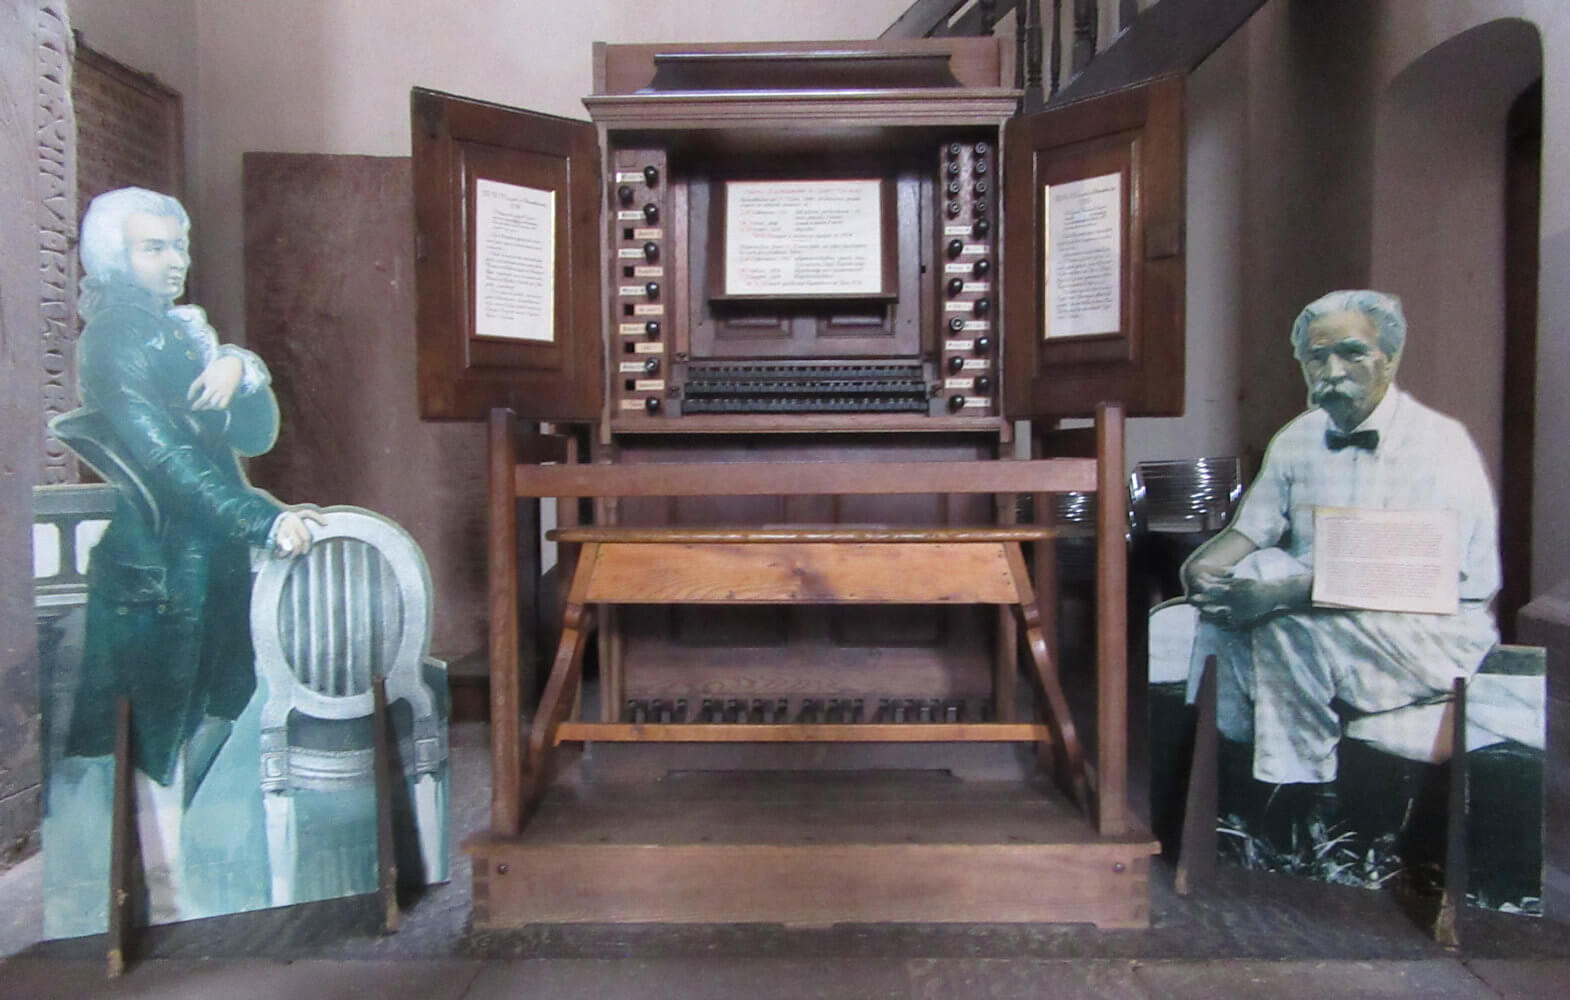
<point x="160" y="821"/>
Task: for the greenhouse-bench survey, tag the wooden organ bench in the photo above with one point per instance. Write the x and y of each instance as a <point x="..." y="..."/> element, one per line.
<point x="789" y="846"/>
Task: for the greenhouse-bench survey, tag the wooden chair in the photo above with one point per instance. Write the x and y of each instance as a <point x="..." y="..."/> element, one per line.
<point x="357" y="607"/>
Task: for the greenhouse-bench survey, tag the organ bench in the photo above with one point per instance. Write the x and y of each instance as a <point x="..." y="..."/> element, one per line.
<point x="791" y="845"/>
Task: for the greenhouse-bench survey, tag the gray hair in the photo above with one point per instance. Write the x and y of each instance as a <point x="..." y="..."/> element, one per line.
<point x="103" y="250"/>
<point x="1383" y="310"/>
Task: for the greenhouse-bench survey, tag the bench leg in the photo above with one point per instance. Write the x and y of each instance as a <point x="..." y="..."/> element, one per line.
<point x="1069" y="760"/>
<point x="561" y="690"/>
<point x="1070" y="757"/>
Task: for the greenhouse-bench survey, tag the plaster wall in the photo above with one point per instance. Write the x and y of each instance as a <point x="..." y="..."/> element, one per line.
<point x="1363" y="170"/>
<point x="154" y="36"/>
<point x="333" y="76"/>
<point x="1438" y="238"/>
<point x="1216" y="123"/>
<point x="1307" y="184"/>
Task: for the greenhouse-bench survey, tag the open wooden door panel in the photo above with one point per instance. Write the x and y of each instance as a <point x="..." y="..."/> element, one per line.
<point x="507" y="262"/>
<point x="1093" y="256"/>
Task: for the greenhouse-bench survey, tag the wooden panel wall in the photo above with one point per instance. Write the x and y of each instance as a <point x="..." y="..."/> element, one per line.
<point x="329" y="251"/>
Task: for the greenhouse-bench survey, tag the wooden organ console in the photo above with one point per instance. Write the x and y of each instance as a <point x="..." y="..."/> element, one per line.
<point x="795" y="316"/>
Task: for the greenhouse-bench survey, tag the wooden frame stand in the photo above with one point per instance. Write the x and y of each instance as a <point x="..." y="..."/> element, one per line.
<point x="788" y="846"/>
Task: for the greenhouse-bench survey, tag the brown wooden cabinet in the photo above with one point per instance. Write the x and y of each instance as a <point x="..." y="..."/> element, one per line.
<point x="809" y="255"/>
<point x="950" y="330"/>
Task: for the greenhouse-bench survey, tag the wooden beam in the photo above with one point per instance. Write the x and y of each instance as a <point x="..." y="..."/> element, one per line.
<point x="854" y="732"/>
<point x="1173" y="36"/>
<point x="806" y="535"/>
<point x="1196" y="866"/>
<point x="122" y="844"/>
<point x="894" y="573"/>
<point x="1447" y="922"/>
<point x="383" y="750"/>
<point x="506" y="707"/>
<point x="1111" y="627"/>
<point x="923" y="19"/>
<point x="681" y="479"/>
<point x="978" y="20"/>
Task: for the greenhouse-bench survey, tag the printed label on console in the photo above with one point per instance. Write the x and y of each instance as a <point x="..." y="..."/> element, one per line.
<point x="649" y="385"/>
<point x="648" y="310"/>
<point x="959" y="346"/>
<point x="978" y="324"/>
<point x="629" y="177"/>
<point x="631" y="329"/>
<point x="649" y="271"/>
<point x="977" y="287"/>
<point x="630" y="215"/>
<point x="959" y="383"/>
<point x="958" y="267"/>
<point x="648" y="347"/>
<point x="977" y="364"/>
<point x="958" y="307"/>
<point x="632" y="404"/>
<point x="956" y="230"/>
<point x="647" y="234"/>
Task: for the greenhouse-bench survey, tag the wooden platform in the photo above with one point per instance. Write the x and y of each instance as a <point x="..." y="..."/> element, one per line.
<point x="810" y="848"/>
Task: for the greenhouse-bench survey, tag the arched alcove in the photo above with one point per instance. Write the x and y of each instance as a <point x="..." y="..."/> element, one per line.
<point x="1438" y="240"/>
<point x="1438" y="228"/>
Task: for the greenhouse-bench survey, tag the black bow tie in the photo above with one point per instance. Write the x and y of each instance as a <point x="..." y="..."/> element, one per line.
<point x="1336" y="440"/>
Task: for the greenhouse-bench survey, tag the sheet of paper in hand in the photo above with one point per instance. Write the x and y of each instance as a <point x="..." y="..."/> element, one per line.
<point x="1386" y="560"/>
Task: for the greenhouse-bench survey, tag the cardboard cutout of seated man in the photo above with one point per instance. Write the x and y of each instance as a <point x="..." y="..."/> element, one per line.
<point x="1284" y="664"/>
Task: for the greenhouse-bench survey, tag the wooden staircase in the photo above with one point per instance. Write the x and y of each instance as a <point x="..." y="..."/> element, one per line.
<point x="1106" y="45"/>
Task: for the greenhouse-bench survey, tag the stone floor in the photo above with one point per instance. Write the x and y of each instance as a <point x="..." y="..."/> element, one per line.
<point x="1247" y="935"/>
<point x="694" y="978"/>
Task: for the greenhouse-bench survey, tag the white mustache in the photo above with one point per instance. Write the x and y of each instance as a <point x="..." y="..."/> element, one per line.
<point x="1323" y="389"/>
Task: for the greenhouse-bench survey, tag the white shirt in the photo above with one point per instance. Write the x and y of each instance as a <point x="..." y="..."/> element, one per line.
<point x="1424" y="461"/>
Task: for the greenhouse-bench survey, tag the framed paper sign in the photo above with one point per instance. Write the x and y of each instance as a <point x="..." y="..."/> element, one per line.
<point x="804" y="238"/>
<point x="1083" y="230"/>
<point x="514" y="262"/>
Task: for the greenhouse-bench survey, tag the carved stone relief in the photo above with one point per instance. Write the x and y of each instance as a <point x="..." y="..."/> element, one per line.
<point x="55" y="131"/>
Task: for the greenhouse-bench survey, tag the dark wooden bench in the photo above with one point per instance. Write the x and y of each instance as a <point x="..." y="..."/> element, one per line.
<point x="816" y="564"/>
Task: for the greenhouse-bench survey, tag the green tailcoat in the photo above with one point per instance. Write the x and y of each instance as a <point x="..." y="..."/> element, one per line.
<point x="168" y="610"/>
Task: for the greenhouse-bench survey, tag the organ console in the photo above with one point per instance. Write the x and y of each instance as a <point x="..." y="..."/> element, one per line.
<point x="794" y="253"/>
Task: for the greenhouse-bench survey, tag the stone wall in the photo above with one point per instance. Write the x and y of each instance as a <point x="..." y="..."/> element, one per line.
<point x="36" y="213"/>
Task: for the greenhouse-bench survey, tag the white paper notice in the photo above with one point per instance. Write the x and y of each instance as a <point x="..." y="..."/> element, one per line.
<point x="1084" y="259"/>
<point x="803" y="237"/>
<point x="1386" y="560"/>
<point x="514" y="262"/>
